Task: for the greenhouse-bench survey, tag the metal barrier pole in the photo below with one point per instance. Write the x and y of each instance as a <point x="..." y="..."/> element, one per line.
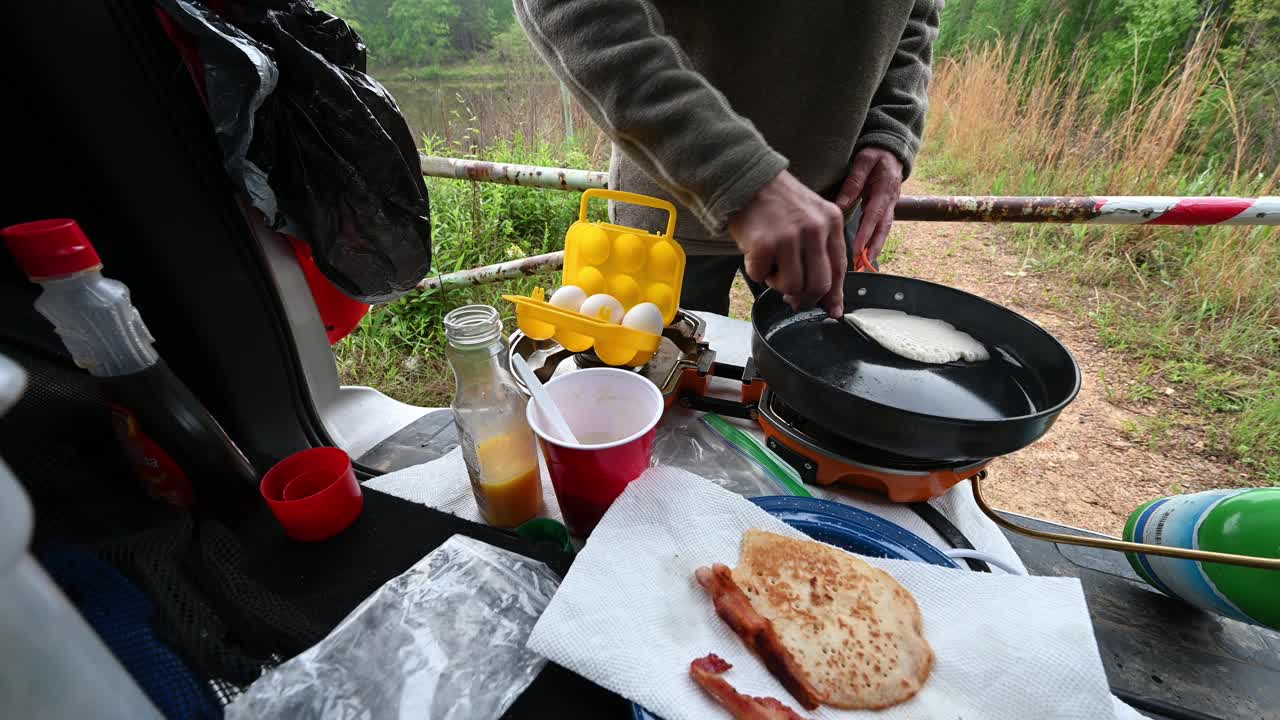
<point x="494" y="273"/>
<point x="1113" y="210"/>
<point x="1101" y="210"/>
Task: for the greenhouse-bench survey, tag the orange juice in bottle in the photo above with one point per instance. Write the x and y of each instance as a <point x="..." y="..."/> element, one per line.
<point x="489" y="410"/>
<point x="509" y="478"/>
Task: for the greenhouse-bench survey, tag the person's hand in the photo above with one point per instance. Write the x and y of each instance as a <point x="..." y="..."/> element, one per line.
<point x="793" y="240"/>
<point x="876" y="178"/>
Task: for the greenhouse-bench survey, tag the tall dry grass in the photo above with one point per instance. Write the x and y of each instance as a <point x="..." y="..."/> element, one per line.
<point x="1199" y="305"/>
<point x="1008" y="120"/>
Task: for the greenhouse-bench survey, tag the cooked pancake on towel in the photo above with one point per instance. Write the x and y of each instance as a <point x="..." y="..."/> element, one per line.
<point x="833" y="629"/>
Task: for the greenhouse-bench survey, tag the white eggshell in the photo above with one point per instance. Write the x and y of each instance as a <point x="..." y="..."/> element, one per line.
<point x="645" y="317"/>
<point x="591" y="307"/>
<point x="569" y="297"/>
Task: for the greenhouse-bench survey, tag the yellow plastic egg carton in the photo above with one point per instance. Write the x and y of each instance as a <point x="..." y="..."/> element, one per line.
<point x="632" y="265"/>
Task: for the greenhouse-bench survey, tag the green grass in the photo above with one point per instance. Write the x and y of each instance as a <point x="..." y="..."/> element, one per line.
<point x="1256" y="435"/>
<point x="1152" y="433"/>
<point x="399" y="347"/>
<point x="1225" y="368"/>
<point x="891" y="245"/>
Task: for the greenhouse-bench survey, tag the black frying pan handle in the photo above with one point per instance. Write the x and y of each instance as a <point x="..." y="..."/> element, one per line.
<point x="721" y="406"/>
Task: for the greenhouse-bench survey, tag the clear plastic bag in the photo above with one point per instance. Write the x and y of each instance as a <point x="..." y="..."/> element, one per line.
<point x="707" y="445"/>
<point x="443" y="641"/>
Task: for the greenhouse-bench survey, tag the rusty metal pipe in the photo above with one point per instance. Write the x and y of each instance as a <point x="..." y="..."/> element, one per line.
<point x="1114" y="210"/>
<point x="938" y="208"/>
<point x="534" y="265"/>
<point x="1109" y="210"/>
<point x="547" y="178"/>
<point x="951" y="209"/>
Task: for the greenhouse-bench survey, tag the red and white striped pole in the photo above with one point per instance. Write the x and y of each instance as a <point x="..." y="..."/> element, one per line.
<point x="1104" y="210"/>
<point x="1113" y="210"/>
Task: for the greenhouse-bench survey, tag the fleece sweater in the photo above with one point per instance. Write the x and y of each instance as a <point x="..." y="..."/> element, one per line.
<point x="706" y="101"/>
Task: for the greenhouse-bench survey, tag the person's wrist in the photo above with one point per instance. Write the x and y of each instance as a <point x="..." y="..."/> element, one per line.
<point x="896" y="147"/>
<point x="745" y="188"/>
<point x="756" y="197"/>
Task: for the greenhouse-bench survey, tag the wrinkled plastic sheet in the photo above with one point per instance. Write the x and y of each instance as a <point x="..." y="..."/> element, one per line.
<point x="684" y="440"/>
<point x="315" y="144"/>
<point x="443" y="641"/>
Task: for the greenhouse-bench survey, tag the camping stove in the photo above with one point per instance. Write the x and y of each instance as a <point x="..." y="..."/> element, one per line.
<point x="684" y="363"/>
<point x="824" y="458"/>
<point x="682" y="369"/>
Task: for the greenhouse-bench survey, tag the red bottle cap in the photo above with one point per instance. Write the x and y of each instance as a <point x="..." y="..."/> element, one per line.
<point x="50" y="248"/>
<point x="313" y="493"/>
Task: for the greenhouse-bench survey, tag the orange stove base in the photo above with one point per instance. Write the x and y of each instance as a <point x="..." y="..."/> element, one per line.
<point x="903" y="487"/>
<point x="898" y="487"/>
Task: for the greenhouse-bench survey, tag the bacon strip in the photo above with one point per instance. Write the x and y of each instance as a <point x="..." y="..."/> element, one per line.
<point x="706" y="672"/>
<point x="733" y="606"/>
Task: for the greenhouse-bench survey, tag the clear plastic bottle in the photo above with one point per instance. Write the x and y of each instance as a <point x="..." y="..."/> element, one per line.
<point x="489" y="409"/>
<point x="92" y="314"/>
<point x="175" y="446"/>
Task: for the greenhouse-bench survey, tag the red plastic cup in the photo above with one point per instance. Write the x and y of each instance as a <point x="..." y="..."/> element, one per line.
<point x="313" y="493"/>
<point x="613" y="413"/>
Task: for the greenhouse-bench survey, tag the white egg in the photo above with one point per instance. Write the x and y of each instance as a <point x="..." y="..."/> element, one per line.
<point x="569" y="297"/>
<point x="592" y="306"/>
<point x="645" y="317"/>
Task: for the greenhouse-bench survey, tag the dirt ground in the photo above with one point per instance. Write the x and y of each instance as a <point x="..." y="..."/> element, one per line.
<point x="1095" y="465"/>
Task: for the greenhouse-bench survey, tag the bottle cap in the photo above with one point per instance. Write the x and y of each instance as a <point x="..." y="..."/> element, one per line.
<point x="50" y="248"/>
<point x="313" y="493"/>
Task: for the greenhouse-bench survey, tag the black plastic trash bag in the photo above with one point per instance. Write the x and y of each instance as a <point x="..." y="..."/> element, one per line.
<point x="318" y="146"/>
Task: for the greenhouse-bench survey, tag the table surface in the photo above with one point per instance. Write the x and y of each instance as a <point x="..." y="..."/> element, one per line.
<point x="1160" y="649"/>
<point x="1167" y="659"/>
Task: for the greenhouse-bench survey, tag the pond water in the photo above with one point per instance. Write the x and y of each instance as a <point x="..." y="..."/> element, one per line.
<point x="470" y="116"/>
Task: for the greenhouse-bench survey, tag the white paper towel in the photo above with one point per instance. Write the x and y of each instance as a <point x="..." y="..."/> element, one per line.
<point x="630" y="617"/>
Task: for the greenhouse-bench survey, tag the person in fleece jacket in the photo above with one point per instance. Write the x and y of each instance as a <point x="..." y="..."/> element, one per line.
<point x="767" y="123"/>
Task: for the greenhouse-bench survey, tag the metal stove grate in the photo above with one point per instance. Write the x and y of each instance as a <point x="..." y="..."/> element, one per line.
<point x="681" y="346"/>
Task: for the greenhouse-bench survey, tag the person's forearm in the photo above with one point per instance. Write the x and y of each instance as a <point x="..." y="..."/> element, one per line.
<point x="641" y="90"/>
<point x="895" y="120"/>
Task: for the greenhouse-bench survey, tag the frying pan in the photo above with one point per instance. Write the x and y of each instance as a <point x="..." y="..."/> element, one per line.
<point x="832" y="374"/>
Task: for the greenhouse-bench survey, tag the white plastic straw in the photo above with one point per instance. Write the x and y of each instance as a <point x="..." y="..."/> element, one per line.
<point x="540" y="396"/>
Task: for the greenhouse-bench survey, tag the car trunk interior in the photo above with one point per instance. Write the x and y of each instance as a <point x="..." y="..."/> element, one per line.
<point x="107" y="128"/>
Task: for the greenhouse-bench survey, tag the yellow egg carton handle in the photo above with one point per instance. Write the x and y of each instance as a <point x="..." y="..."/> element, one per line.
<point x="631" y="199"/>
<point x="632" y="265"/>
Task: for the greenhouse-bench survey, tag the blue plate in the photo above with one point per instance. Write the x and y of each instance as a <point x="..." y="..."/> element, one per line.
<point x="849" y="528"/>
<point x="845" y="527"/>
